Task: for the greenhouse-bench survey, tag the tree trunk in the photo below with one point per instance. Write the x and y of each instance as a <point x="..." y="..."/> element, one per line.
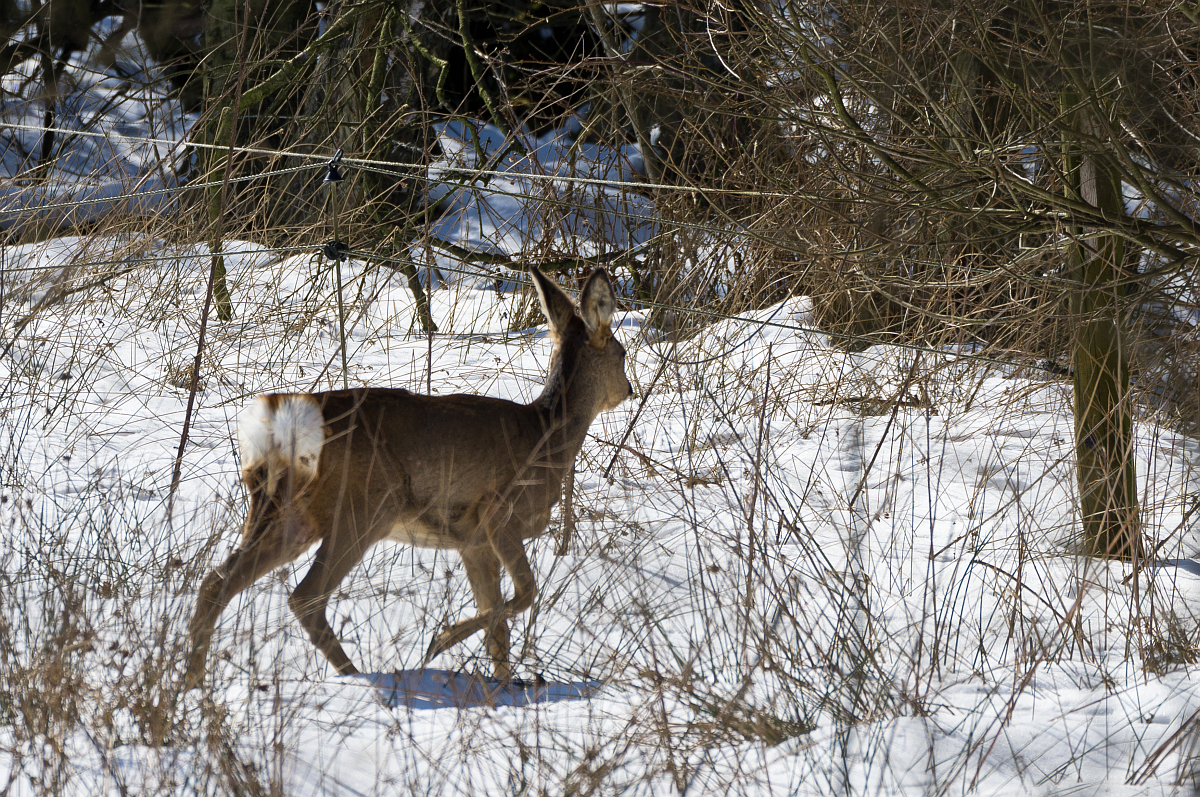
<point x="1103" y="428"/>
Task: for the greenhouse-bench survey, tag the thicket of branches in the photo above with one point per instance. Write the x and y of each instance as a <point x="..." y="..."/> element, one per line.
<point x="1017" y="176"/>
<point x="1013" y="180"/>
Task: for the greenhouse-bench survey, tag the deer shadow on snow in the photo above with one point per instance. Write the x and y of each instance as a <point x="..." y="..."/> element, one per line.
<point x="432" y="688"/>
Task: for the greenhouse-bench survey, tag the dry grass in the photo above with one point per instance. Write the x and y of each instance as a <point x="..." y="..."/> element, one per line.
<point x="739" y="599"/>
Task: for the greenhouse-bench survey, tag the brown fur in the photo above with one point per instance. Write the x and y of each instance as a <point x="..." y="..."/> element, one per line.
<point x="471" y="473"/>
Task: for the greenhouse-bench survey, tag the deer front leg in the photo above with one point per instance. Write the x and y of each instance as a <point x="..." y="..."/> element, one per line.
<point x="508" y="549"/>
<point x="483" y="571"/>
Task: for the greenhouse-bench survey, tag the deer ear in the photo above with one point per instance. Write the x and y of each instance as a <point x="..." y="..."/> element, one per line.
<point x="597" y="301"/>
<point x="556" y="304"/>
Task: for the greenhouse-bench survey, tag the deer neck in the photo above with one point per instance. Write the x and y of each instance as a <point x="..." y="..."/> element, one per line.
<point x="567" y="407"/>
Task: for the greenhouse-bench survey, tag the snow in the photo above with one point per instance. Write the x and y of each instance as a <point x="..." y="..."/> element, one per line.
<point x="518" y="200"/>
<point x="795" y="569"/>
<point x="122" y="128"/>
<point x="818" y="559"/>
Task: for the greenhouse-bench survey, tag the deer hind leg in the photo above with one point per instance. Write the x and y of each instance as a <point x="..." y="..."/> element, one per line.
<point x="509" y="550"/>
<point x="272" y="542"/>
<point x="310" y="599"/>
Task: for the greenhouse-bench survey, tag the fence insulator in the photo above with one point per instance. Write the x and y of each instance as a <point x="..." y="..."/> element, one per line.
<point x="333" y="172"/>
<point x="335" y="251"/>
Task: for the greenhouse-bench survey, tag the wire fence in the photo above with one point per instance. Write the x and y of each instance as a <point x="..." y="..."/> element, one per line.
<point x="510" y="265"/>
<point x="409" y="167"/>
<point x="452" y="177"/>
<point x="459" y="178"/>
<point x="511" y="274"/>
<point x="134" y="196"/>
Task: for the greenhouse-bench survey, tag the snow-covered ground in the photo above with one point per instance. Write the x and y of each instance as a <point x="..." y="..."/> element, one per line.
<point x="795" y="570"/>
<point x="888" y="595"/>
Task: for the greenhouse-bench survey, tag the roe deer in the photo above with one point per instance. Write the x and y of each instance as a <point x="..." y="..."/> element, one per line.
<point x="349" y="468"/>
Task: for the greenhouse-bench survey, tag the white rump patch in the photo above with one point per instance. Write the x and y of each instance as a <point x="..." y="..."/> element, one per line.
<point x="254" y="432"/>
<point x="283" y="432"/>
<point x="300" y="431"/>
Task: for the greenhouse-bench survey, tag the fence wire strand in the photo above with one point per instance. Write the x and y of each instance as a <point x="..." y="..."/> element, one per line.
<point x="367" y="164"/>
<point x="411" y="167"/>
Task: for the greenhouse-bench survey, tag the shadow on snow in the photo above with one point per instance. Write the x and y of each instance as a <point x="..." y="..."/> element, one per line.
<point x="429" y="689"/>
